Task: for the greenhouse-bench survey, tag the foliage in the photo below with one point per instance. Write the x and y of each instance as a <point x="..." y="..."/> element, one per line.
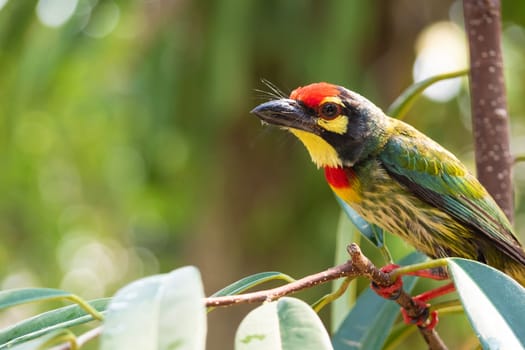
<point x="367" y="323"/>
<point x="157" y="312"/>
<point x="168" y="312"/>
<point x="128" y="150"/>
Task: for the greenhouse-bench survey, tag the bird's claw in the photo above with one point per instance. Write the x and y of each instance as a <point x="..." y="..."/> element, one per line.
<point x="391" y="292"/>
<point x="425" y="319"/>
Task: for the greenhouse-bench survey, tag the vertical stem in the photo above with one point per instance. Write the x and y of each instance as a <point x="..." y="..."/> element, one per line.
<point x="488" y="99"/>
<point x="430" y="336"/>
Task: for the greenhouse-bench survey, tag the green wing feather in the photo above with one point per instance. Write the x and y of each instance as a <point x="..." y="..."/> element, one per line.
<point x="440" y="179"/>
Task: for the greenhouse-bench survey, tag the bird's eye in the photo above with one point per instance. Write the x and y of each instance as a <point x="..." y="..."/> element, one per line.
<point x="329" y="110"/>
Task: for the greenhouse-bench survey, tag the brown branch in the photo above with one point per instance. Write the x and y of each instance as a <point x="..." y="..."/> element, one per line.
<point x="414" y="310"/>
<point x="358" y="265"/>
<point x="352" y="268"/>
<point x="490" y="120"/>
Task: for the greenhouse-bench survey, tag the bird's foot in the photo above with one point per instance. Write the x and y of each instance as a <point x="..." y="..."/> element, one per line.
<point x="424" y="318"/>
<point x="436" y="273"/>
<point x="437" y="292"/>
<point x="392" y="291"/>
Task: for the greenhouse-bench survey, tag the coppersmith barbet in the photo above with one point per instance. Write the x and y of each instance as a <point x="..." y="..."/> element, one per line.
<point x="397" y="178"/>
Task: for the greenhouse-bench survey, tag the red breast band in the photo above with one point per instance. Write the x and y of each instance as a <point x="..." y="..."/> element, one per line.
<point x="338" y="177"/>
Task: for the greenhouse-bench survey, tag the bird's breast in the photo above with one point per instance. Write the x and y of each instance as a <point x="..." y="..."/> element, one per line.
<point x="344" y="183"/>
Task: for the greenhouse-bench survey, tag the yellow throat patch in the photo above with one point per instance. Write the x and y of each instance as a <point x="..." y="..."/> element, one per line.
<point x="321" y="152"/>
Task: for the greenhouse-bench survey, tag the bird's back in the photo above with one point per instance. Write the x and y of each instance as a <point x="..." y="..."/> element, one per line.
<point x="416" y="189"/>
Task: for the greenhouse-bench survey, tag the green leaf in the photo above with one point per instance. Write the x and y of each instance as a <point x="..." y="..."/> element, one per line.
<point x="48" y="340"/>
<point x="285" y="324"/>
<point x="252" y="281"/>
<point x="347" y="233"/>
<point x="47" y="322"/>
<point x="14" y="297"/>
<point x="371" y="232"/>
<point x="402" y="104"/>
<point x="158" y="312"/>
<point x="368" y="324"/>
<point x="494" y="303"/>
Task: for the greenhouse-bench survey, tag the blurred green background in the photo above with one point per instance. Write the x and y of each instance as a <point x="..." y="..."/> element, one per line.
<point x="127" y="147"/>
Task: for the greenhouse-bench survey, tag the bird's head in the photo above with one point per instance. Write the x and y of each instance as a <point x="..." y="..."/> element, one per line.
<point x="336" y="125"/>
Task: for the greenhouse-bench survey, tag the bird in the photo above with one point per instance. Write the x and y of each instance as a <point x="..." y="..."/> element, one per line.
<point x="396" y="177"/>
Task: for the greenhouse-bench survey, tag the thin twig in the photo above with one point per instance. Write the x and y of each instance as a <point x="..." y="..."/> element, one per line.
<point x="351" y="268"/>
<point x="358" y="266"/>
<point x="412" y="308"/>
<point x="415" y="311"/>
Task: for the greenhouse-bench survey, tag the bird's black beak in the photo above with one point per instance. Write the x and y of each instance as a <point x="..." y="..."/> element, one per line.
<point x="286" y="113"/>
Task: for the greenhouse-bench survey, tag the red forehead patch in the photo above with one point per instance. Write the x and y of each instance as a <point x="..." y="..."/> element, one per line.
<point x="312" y="95"/>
